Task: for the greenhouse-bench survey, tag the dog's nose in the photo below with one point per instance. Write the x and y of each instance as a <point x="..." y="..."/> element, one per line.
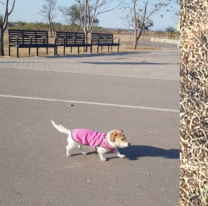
<point x="129" y="144"/>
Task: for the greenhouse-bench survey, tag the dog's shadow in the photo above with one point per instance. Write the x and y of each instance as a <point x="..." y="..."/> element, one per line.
<point x="135" y="152"/>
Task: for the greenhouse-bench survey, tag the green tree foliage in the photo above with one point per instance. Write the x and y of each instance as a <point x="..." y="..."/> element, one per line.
<point x="170" y="31"/>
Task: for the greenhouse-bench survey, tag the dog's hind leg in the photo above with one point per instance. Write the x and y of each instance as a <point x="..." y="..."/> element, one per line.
<point x="80" y="147"/>
<point x="71" y="145"/>
<point x="67" y="150"/>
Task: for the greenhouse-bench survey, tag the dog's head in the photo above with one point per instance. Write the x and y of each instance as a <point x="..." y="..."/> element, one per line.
<point x="118" y="139"/>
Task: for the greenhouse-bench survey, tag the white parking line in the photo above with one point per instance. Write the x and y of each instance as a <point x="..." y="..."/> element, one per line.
<point x="90" y="103"/>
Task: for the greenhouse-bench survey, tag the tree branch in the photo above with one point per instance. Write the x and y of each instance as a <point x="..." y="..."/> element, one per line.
<point x="12" y="7"/>
<point x="104" y="11"/>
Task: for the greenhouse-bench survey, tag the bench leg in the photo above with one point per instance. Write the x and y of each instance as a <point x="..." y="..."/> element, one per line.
<point x="111" y="48"/>
<point x="108" y="49"/>
<point x="118" y="48"/>
<point x="29" y="50"/>
<point x="64" y="50"/>
<point x="101" y="48"/>
<point x="37" y="51"/>
<point x="46" y="50"/>
<point x="91" y="49"/>
<point x="71" y="49"/>
<point x="78" y="49"/>
<point x="9" y="51"/>
<point x="97" y="49"/>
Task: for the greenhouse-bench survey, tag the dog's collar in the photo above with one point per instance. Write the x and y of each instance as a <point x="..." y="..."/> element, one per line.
<point x="106" y="145"/>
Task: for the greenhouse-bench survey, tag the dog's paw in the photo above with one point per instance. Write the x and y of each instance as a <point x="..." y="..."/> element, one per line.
<point x="121" y="156"/>
<point x="103" y="159"/>
<point x="84" y="153"/>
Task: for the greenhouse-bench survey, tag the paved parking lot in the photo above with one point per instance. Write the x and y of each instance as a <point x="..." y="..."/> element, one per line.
<point x="137" y="92"/>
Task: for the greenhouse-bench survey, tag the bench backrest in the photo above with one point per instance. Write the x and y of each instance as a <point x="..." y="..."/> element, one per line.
<point x="67" y="34"/>
<point x="101" y="38"/>
<point x="69" y="38"/>
<point x="27" y="37"/>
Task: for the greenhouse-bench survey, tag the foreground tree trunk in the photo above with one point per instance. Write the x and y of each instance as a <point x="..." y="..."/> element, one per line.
<point x="193" y="103"/>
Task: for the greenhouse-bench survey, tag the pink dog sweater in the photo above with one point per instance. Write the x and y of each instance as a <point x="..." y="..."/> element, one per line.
<point x="91" y="138"/>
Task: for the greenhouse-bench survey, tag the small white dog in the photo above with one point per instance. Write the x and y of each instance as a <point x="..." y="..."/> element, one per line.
<point x="99" y="141"/>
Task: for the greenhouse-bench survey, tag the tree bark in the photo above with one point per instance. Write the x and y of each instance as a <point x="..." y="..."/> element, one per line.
<point x="135" y="24"/>
<point x="138" y="37"/>
<point x="1" y="40"/>
<point x="4" y="25"/>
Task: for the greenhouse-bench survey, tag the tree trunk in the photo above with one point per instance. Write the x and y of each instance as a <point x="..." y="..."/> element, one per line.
<point x="3" y="26"/>
<point x="138" y="37"/>
<point x="135" y="24"/>
<point x="135" y="38"/>
<point x="86" y="37"/>
<point x="50" y="26"/>
<point x="1" y="40"/>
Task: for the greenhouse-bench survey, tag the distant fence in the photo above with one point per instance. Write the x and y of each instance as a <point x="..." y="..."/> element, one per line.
<point x="169" y="41"/>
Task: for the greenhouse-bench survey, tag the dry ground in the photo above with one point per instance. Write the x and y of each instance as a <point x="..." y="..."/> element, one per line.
<point x="125" y="40"/>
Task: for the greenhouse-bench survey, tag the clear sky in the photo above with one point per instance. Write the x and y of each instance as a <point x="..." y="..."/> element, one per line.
<point x="28" y="11"/>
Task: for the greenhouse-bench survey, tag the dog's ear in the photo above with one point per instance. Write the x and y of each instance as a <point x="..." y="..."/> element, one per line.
<point x="112" y="136"/>
<point x="121" y="131"/>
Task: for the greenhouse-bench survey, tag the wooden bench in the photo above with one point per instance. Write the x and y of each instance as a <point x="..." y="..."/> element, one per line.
<point x="29" y="39"/>
<point x="71" y="39"/>
<point x="102" y="39"/>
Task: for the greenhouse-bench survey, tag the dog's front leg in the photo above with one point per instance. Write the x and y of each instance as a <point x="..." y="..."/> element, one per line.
<point x="118" y="153"/>
<point x="101" y="151"/>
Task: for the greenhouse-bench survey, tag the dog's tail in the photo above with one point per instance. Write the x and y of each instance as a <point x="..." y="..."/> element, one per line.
<point x="60" y="128"/>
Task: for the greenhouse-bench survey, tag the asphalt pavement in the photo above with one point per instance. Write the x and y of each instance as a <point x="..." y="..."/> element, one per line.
<point x="137" y="92"/>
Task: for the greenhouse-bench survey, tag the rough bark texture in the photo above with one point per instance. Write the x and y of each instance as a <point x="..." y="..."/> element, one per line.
<point x="194" y="103"/>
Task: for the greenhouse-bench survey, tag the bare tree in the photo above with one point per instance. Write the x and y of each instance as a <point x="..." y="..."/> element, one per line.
<point x="48" y="11"/>
<point x="141" y="16"/>
<point x="90" y="9"/>
<point x="4" y="23"/>
<point x="72" y="15"/>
